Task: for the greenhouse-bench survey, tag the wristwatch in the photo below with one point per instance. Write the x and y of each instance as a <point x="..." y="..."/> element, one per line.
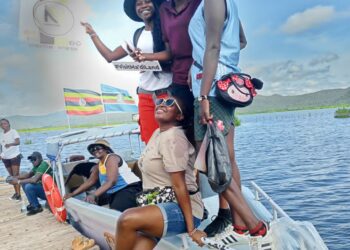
<point x="202" y="97"/>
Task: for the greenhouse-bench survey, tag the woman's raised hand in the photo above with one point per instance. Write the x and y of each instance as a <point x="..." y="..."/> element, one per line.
<point x="88" y="28"/>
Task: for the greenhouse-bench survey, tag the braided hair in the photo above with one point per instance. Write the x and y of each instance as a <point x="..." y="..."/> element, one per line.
<point x="158" y="43"/>
<point x="186" y="103"/>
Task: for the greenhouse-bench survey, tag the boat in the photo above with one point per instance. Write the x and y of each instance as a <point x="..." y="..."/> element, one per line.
<point x="99" y="223"/>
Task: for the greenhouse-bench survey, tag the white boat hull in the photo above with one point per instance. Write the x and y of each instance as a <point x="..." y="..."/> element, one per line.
<point x="93" y="221"/>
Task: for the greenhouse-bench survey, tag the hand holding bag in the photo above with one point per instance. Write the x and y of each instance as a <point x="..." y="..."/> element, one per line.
<point x="219" y="170"/>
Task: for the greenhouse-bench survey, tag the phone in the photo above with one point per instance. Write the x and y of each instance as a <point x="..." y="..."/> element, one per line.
<point x="129" y="47"/>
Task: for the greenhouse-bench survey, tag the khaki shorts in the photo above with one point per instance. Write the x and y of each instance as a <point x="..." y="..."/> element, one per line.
<point x="219" y="111"/>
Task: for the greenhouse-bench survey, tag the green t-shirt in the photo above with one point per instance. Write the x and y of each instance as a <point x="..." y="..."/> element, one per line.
<point x="42" y="169"/>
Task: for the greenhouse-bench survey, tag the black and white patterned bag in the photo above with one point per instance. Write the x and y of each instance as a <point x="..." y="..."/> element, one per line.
<point x="155" y="196"/>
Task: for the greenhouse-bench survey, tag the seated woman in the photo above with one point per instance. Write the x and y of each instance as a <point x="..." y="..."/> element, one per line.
<point x="167" y="160"/>
<point x="116" y="178"/>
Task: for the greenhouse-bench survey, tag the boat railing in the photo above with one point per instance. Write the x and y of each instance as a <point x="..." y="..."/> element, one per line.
<point x="99" y="136"/>
<point x="277" y="211"/>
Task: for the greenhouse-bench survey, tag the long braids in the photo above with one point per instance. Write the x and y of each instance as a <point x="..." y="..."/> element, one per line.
<point x="158" y="43"/>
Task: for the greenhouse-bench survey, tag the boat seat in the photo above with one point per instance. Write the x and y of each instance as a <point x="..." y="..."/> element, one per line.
<point x="75" y="180"/>
<point x="69" y="166"/>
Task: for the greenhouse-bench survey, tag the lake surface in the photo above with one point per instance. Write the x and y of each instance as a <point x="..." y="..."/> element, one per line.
<point x="301" y="159"/>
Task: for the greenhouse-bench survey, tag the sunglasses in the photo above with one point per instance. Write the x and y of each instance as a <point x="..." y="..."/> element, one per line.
<point x="168" y="103"/>
<point x="32" y="159"/>
<point x="96" y="148"/>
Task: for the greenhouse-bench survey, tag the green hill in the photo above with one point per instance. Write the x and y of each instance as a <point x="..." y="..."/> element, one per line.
<point x="320" y="99"/>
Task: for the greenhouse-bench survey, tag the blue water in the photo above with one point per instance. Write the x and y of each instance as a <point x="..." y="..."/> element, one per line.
<point x="301" y="159"/>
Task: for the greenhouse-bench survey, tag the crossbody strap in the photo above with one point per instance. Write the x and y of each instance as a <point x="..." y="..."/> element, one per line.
<point x="200" y="67"/>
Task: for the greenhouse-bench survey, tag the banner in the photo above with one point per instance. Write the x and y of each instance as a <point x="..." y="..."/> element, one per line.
<point x="82" y="102"/>
<point x="52" y="23"/>
<point x="117" y="100"/>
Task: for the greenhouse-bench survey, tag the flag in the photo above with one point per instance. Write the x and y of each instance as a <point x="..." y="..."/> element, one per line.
<point x="82" y="102"/>
<point x="117" y="100"/>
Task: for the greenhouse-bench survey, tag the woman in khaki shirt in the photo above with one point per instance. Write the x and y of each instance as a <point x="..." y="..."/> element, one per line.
<point x="166" y="161"/>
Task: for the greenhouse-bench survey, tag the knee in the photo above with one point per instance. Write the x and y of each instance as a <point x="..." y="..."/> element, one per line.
<point x="28" y="188"/>
<point x="127" y="220"/>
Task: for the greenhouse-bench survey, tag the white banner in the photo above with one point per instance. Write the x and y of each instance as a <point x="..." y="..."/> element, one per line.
<point x="52" y="23"/>
<point x="137" y="66"/>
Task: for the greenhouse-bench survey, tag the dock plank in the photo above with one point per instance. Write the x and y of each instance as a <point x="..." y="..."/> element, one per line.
<point x="40" y="231"/>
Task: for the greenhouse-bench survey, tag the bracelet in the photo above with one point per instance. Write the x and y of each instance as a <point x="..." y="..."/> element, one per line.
<point x="202" y="98"/>
<point x="93" y="35"/>
<point x="192" y="232"/>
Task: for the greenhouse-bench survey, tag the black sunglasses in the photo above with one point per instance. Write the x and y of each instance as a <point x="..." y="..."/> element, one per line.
<point x="32" y="159"/>
<point x="168" y="103"/>
<point x="92" y="150"/>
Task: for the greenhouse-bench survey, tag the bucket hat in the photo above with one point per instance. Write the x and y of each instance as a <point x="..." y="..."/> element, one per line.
<point x="129" y="8"/>
<point x="100" y="142"/>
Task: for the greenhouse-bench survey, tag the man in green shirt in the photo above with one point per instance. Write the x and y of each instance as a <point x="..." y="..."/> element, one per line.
<point x="31" y="182"/>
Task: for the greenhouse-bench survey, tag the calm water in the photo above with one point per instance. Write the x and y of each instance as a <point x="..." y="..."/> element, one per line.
<point x="301" y="159"/>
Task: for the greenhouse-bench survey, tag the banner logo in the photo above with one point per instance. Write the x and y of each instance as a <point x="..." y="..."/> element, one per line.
<point x="53" y="18"/>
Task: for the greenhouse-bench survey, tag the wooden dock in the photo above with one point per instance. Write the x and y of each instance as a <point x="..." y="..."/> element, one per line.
<point x="40" y="231"/>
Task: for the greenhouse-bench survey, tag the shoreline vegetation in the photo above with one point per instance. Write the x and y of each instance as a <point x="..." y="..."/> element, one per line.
<point x="55" y="128"/>
<point x="342" y="113"/>
<point x="65" y="127"/>
<point x="292" y="109"/>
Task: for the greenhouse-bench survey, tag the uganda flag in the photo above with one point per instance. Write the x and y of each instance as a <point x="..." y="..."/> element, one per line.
<point x="117" y="100"/>
<point x="82" y="102"/>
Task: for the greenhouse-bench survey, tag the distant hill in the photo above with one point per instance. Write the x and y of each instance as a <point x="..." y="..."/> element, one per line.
<point x="323" y="98"/>
<point x="60" y="119"/>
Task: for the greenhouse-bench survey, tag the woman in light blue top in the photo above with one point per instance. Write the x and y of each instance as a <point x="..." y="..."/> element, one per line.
<point x="216" y="54"/>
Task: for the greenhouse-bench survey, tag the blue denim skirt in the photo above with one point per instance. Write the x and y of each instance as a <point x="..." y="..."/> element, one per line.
<point x="174" y="221"/>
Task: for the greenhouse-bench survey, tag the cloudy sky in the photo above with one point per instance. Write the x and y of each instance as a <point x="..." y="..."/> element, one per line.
<point x="295" y="46"/>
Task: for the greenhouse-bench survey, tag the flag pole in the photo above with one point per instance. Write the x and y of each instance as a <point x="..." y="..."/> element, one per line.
<point x="68" y="120"/>
<point x="106" y="119"/>
<point x="103" y="104"/>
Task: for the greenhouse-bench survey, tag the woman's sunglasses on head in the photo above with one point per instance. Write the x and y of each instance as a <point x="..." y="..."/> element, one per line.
<point x="168" y="103"/>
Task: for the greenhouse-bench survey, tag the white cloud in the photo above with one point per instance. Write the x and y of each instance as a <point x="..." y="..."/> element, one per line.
<point x="13" y="60"/>
<point x="324" y="59"/>
<point x="308" y="19"/>
<point x="5" y="29"/>
<point x="295" y="77"/>
<point x="262" y="31"/>
<point x="2" y="73"/>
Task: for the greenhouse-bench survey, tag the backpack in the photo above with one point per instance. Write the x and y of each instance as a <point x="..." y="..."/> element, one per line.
<point x="165" y="65"/>
<point x="137" y="35"/>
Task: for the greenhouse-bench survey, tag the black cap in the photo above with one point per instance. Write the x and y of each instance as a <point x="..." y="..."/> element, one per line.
<point x="35" y="155"/>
